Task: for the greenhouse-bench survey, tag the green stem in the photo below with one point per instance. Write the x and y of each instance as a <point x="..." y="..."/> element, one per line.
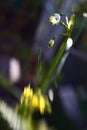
<point x="47" y="77"/>
<point x="39" y="65"/>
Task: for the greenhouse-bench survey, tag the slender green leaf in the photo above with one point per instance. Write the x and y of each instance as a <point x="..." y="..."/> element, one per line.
<point x="8" y="86"/>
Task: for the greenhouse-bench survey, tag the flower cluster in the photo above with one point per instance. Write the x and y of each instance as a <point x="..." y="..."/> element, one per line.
<point x="35" y="100"/>
<point x="55" y="19"/>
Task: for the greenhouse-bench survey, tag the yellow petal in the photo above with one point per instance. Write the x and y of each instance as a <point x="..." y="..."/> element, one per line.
<point x="28" y="92"/>
<point x="42" y="104"/>
<point x="34" y="102"/>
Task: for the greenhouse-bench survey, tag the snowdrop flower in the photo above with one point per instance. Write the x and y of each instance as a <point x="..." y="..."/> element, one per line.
<point x="55" y="19"/>
<point x="69" y="43"/>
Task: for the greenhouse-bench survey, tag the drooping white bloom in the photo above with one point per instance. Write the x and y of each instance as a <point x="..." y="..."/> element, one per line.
<point x="55" y="19"/>
<point x="69" y="43"/>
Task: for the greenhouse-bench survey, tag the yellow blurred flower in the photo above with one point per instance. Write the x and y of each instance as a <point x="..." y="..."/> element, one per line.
<point x="28" y="92"/>
<point x="34" y="102"/>
<point x="42" y="104"/>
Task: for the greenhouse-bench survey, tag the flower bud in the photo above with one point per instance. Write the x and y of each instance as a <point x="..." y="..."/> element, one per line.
<point x="51" y="42"/>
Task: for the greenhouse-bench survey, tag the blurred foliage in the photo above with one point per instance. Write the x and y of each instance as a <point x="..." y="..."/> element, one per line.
<point x="52" y="75"/>
<point x="33" y="100"/>
<point x="9" y="87"/>
<point x="4" y="124"/>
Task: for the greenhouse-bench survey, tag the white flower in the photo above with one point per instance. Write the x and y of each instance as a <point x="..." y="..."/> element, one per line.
<point x="69" y="43"/>
<point x="55" y="19"/>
